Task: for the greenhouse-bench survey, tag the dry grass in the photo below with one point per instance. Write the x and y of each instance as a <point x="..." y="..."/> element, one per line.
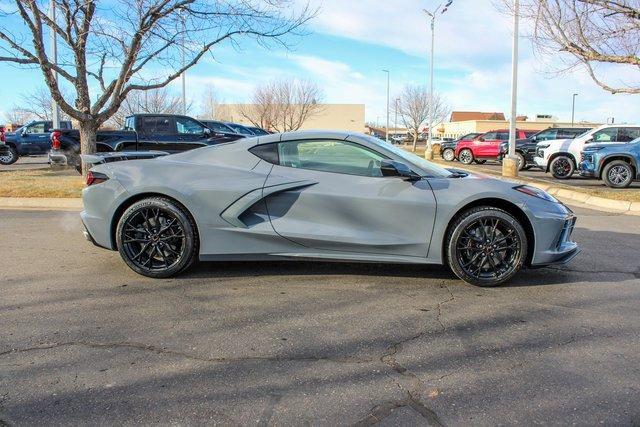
<point x="41" y="183"/>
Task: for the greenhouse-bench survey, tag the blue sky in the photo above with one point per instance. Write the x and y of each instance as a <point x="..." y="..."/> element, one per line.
<point x="350" y="42"/>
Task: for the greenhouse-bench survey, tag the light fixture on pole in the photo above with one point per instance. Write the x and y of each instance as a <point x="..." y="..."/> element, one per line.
<point x="386" y="137"/>
<point x="573" y="107"/>
<point x="55" y="111"/>
<point x="510" y="163"/>
<point x="428" y="153"/>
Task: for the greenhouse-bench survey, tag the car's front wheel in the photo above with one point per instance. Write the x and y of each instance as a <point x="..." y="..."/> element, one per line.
<point x="562" y="167"/>
<point x="448" y="154"/>
<point x="465" y="156"/>
<point x="618" y="174"/>
<point x="486" y="246"/>
<point x="10" y="157"/>
<point x="157" y="238"/>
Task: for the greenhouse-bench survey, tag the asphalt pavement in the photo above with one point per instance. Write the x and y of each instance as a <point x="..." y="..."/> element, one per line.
<point x="27" y="163"/>
<point x="84" y="340"/>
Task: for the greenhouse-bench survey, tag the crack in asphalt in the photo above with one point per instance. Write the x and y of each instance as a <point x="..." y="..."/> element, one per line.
<point x="635" y="273"/>
<point x="164" y="351"/>
<point x="383" y="410"/>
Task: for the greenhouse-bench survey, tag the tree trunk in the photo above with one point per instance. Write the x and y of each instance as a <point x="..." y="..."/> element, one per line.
<point x="88" y="130"/>
<point x="415" y="141"/>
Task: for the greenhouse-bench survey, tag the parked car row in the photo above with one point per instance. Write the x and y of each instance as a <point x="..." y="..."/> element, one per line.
<point x="608" y="152"/>
<point x="168" y="133"/>
<point x="141" y="132"/>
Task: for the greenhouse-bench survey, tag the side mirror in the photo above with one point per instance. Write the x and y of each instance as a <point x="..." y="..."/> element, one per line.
<point x="391" y="168"/>
<point x="24" y="132"/>
<point x="481" y="139"/>
<point x="206" y="132"/>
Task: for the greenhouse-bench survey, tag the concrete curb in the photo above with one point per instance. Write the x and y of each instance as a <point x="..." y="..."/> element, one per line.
<point x="595" y="202"/>
<point x="41" y="203"/>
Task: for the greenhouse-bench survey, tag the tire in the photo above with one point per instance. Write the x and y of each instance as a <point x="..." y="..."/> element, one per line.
<point x="157" y="238"/>
<point x="522" y="163"/>
<point x="473" y="246"/>
<point x="562" y="167"/>
<point x="480" y="162"/>
<point x="618" y="174"/>
<point x="449" y="155"/>
<point x="10" y="158"/>
<point x="465" y="156"/>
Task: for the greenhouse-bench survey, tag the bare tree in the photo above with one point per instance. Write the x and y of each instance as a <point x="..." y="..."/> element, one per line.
<point x="153" y="101"/>
<point x="121" y="46"/>
<point x="39" y="104"/>
<point x="413" y="109"/>
<point x="592" y="33"/>
<point x="211" y="107"/>
<point x="18" y="116"/>
<point x="283" y="105"/>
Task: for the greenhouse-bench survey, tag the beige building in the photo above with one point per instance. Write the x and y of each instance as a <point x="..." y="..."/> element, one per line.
<point x="347" y="117"/>
<point x="473" y="121"/>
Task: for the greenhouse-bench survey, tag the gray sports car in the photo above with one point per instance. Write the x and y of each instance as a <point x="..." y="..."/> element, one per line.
<point x="328" y="196"/>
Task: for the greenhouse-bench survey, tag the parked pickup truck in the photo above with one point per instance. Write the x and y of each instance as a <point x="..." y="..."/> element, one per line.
<point x="615" y="164"/>
<point x="30" y="139"/>
<point x="166" y="133"/>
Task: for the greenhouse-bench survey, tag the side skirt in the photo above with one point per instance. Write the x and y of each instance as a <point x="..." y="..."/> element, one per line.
<point x="318" y="256"/>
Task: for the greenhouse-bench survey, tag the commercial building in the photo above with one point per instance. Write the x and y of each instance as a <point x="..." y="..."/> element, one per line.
<point x="346" y="117"/>
<point x="464" y="122"/>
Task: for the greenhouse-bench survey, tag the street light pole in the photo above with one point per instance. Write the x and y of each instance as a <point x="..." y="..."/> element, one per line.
<point x="183" y="76"/>
<point x="387" y="132"/>
<point x="573" y="107"/>
<point x="55" y="111"/>
<point x="395" y="123"/>
<point x="510" y="163"/>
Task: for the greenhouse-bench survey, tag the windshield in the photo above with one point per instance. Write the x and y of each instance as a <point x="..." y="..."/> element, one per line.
<point x="430" y="168"/>
<point x="583" y="133"/>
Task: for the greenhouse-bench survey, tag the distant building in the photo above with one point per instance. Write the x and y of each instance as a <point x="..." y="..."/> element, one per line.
<point x="346" y="117"/>
<point x="462" y="116"/>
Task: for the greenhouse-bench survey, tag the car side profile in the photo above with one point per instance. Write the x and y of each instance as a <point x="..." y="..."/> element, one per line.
<point x="615" y="164"/>
<point x="448" y="148"/>
<point x="28" y="140"/>
<point x="331" y="196"/>
<point x="561" y="156"/>
<point x="485" y="146"/>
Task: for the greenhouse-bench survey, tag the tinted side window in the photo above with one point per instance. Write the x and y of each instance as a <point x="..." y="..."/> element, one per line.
<point x="605" y="135"/>
<point x="130" y="123"/>
<point x="489" y="135"/>
<point x="628" y="134"/>
<point x="157" y="125"/>
<point x="36" y="128"/>
<point x="188" y="126"/>
<point x="503" y="136"/>
<point x="330" y="156"/>
<point x="546" y="135"/>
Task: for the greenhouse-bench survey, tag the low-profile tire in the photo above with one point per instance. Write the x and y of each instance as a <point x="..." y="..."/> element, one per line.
<point x="10" y="158"/>
<point x="618" y="174"/>
<point x="465" y="156"/>
<point x="562" y="167"/>
<point x="486" y="246"/>
<point x="449" y="154"/>
<point x="157" y="238"/>
<point x="522" y="163"/>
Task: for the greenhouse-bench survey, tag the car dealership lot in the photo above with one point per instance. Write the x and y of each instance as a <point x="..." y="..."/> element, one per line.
<point x="86" y="340"/>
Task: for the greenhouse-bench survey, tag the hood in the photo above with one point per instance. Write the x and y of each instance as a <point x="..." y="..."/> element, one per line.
<point x="550" y="142"/>
<point x="608" y="145"/>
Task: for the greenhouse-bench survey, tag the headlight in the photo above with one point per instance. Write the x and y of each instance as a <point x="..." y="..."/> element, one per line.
<point x="536" y="192"/>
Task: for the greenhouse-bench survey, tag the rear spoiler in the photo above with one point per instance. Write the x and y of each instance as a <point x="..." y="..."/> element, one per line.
<point x="117" y="156"/>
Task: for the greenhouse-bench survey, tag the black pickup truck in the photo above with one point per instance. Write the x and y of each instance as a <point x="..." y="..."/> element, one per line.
<point x="166" y="133"/>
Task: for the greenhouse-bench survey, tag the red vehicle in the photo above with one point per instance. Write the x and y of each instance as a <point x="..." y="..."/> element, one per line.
<point x="485" y="146"/>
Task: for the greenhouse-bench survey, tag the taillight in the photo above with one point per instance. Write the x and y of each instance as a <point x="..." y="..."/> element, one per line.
<point x="95" y="178"/>
<point x="2" y="134"/>
<point x="55" y="140"/>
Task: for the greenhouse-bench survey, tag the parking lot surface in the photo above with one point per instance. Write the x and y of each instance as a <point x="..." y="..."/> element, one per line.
<point x="84" y="340"/>
<point x="27" y="163"/>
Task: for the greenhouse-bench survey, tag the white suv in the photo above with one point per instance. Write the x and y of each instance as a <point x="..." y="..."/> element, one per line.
<point x="562" y="156"/>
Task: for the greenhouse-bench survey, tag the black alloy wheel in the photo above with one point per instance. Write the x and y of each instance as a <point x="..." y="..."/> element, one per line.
<point x="157" y="238"/>
<point x="562" y="167"/>
<point x="486" y="246"/>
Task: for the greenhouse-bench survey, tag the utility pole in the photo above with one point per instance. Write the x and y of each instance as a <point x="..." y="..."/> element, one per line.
<point x="387" y="132"/>
<point x="510" y="163"/>
<point x="573" y="108"/>
<point x="183" y="76"/>
<point x="55" y="111"/>
<point x="428" y="153"/>
<point x="395" y="124"/>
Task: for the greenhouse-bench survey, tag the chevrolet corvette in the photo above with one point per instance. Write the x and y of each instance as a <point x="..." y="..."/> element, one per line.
<point x="327" y="196"/>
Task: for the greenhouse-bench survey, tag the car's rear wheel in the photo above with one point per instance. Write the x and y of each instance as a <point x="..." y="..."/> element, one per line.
<point x="618" y="174"/>
<point x="486" y="246"/>
<point x="448" y="154"/>
<point x="562" y="167"/>
<point x="10" y="157"/>
<point x="521" y="161"/>
<point x="465" y="156"/>
<point x="157" y="238"/>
